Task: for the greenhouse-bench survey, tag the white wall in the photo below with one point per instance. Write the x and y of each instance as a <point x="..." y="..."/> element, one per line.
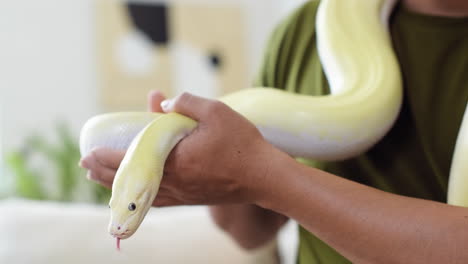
<point x="46" y="68"/>
<point x="47" y="64"/>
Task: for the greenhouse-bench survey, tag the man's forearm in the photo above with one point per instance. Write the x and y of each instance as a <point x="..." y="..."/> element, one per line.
<point x="362" y="223"/>
<point x="249" y="225"/>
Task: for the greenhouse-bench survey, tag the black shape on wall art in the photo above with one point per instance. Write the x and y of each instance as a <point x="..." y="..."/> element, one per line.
<point x="152" y="20"/>
<point x="215" y="59"/>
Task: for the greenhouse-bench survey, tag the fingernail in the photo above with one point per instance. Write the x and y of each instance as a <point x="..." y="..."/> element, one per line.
<point x="90" y="177"/>
<point x="83" y="164"/>
<point x="166" y="105"/>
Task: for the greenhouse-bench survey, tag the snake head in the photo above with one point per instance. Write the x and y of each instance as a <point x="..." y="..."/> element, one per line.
<point x="128" y="209"/>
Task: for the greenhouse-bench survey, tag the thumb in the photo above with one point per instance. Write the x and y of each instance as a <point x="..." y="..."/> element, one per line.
<point x="154" y="101"/>
<point x="189" y="105"/>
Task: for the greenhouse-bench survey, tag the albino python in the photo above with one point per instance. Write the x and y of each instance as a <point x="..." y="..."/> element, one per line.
<point x="355" y="50"/>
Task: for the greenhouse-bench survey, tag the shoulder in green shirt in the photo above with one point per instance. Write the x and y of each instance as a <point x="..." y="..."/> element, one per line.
<point x="414" y="157"/>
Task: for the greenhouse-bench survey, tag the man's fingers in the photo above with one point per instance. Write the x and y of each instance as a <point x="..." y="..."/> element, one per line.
<point x="106" y="157"/>
<point x="105" y="184"/>
<point x="102" y="165"/>
<point x="154" y="101"/>
<point x="99" y="173"/>
<point x="192" y="106"/>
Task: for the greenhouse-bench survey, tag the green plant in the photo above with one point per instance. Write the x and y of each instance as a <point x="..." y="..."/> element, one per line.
<point x="62" y="157"/>
<point x="27" y="183"/>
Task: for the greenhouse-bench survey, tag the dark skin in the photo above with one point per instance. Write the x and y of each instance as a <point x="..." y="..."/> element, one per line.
<point x="364" y="224"/>
<point x="447" y="8"/>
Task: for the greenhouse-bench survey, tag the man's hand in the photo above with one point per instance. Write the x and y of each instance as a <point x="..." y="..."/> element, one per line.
<point x="220" y="162"/>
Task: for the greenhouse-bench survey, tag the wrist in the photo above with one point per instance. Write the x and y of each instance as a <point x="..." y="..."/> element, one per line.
<point x="267" y="175"/>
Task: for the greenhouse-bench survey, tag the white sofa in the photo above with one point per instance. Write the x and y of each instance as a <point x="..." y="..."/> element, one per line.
<point x="47" y="233"/>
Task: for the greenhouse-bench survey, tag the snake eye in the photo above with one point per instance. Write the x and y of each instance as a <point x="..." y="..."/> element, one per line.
<point x="132" y="207"/>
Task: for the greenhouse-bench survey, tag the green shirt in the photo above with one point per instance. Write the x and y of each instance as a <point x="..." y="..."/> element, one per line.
<point x="414" y="158"/>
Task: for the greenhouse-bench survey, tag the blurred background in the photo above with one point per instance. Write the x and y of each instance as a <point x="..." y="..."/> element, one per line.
<point x="63" y="61"/>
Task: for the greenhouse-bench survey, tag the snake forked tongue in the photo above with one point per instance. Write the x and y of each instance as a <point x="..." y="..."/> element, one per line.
<point x="118" y="243"/>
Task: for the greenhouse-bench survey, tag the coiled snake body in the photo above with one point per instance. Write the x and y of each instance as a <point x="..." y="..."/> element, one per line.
<point x="366" y="94"/>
